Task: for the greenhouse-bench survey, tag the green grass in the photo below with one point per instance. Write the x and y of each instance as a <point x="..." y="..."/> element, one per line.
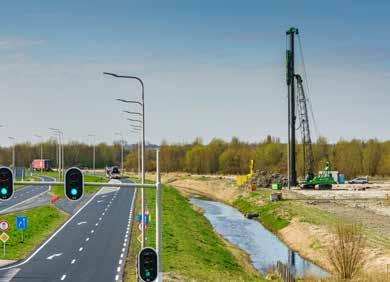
<point x="270" y="213"/>
<point x="42" y="222"/>
<point x="27" y="178"/>
<point x="59" y="190"/>
<point x="191" y="248"/>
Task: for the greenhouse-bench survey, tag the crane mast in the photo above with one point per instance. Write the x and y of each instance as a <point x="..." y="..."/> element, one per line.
<point x="307" y="149"/>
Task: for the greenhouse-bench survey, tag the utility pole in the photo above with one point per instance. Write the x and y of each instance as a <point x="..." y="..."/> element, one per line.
<point x="292" y="173"/>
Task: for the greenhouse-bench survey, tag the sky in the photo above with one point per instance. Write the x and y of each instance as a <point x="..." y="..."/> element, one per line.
<point x="210" y="68"/>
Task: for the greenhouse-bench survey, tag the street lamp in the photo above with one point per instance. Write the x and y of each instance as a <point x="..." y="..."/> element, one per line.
<point x="13" y="150"/>
<point x="122" y="141"/>
<point x="39" y="136"/>
<point x="132" y="113"/>
<point x="136" y="120"/>
<point x="142" y="104"/>
<point x="139" y="151"/>
<point x="93" y="150"/>
<point x="60" y="150"/>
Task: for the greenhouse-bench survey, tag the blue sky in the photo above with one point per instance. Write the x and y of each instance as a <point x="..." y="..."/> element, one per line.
<point x="211" y="68"/>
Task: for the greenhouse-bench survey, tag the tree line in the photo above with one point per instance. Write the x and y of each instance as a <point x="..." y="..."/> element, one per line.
<point x="351" y="157"/>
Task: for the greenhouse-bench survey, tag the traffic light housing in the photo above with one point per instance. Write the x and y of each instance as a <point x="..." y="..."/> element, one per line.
<point x="6" y="183"/>
<point x="74" y="183"/>
<point x="147" y="265"/>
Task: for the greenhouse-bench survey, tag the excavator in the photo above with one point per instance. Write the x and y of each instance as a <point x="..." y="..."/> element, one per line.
<point x="324" y="180"/>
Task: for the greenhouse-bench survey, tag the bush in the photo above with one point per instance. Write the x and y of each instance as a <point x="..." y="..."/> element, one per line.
<point x="346" y="250"/>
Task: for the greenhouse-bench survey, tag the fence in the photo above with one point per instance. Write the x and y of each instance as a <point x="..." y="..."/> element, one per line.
<point x="285" y="272"/>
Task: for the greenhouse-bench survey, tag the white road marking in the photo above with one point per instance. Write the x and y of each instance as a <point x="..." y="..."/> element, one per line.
<point x="54" y="234"/>
<point x="97" y="224"/>
<point x="100" y="218"/>
<point x="81" y="248"/>
<point x="118" y="269"/>
<point x="63" y="277"/>
<point x="73" y="261"/>
<point x="92" y="231"/>
<point x="81" y="222"/>
<point x="120" y="261"/>
<point x="100" y="201"/>
<point x="121" y="255"/>
<point x="116" y="277"/>
<point x="86" y="240"/>
<point x="53" y="256"/>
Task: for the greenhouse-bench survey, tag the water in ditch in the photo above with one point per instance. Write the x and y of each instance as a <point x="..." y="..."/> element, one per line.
<point x="265" y="249"/>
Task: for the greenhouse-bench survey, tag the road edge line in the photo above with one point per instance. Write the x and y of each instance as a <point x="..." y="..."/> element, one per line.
<point x="33" y="197"/>
<point x="52" y="236"/>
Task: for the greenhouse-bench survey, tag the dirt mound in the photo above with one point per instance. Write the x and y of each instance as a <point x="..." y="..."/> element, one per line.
<point x="265" y="179"/>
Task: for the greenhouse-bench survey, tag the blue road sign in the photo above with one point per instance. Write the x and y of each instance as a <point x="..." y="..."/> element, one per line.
<point x="147" y="219"/>
<point x="21" y="222"/>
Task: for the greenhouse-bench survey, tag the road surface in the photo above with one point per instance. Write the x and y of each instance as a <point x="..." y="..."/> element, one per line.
<point x="24" y="194"/>
<point x="91" y="246"/>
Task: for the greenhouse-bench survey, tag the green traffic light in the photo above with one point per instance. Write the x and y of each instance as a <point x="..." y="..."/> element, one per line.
<point x="3" y="191"/>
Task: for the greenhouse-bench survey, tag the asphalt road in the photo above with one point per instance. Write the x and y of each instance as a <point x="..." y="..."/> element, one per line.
<point x="91" y="246"/>
<point x="24" y="194"/>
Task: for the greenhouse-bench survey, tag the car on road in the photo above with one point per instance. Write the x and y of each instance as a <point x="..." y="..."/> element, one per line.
<point x="359" y="180"/>
<point x="113" y="172"/>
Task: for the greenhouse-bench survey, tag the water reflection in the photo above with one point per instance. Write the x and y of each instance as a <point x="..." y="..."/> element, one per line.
<point x="264" y="248"/>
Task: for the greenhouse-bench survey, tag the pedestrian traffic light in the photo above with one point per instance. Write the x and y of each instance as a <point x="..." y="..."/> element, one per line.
<point x="74" y="183"/>
<point x="6" y="183"/>
<point x="147" y="265"/>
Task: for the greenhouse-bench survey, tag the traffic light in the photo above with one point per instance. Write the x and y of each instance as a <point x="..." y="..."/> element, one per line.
<point x="74" y="183"/>
<point x="6" y="183"/>
<point x="147" y="264"/>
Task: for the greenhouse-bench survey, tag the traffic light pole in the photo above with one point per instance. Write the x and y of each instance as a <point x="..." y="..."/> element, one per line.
<point x="158" y="218"/>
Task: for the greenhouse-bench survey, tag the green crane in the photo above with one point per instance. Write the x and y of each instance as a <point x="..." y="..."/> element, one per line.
<point x="324" y="180"/>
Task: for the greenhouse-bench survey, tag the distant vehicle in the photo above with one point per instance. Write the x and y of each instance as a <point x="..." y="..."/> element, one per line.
<point x="113" y="172"/>
<point x="359" y="180"/>
<point x="44" y="165"/>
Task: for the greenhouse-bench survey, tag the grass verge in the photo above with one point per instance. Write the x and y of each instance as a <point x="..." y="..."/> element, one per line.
<point x="59" y="190"/>
<point x="27" y="178"/>
<point x="42" y="221"/>
<point x="192" y="251"/>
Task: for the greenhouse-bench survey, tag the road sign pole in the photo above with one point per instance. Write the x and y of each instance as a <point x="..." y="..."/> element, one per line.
<point x="22" y="235"/>
<point x="158" y="218"/>
<point x="3" y="249"/>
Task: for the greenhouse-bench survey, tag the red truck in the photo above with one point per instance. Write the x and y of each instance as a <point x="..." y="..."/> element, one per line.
<point x="39" y="164"/>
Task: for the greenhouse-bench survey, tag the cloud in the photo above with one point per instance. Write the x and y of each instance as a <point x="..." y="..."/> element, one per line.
<point x="16" y="43"/>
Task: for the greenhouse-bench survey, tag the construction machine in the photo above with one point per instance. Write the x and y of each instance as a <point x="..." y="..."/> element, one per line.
<point x="324" y="180"/>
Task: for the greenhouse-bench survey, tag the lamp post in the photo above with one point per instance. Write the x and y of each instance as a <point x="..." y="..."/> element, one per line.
<point x="122" y="141"/>
<point x="13" y="150"/>
<point x="136" y="130"/>
<point x="93" y="152"/>
<point x="39" y="136"/>
<point x="139" y="152"/>
<point x="60" y="150"/>
<point x="142" y="104"/>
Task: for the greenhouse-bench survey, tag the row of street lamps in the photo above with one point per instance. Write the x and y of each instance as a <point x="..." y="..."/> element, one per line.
<point x="138" y="128"/>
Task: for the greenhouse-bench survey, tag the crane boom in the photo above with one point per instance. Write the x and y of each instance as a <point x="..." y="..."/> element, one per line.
<point x="307" y="148"/>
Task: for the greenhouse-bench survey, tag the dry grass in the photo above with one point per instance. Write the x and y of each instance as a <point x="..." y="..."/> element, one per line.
<point x="346" y="250"/>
